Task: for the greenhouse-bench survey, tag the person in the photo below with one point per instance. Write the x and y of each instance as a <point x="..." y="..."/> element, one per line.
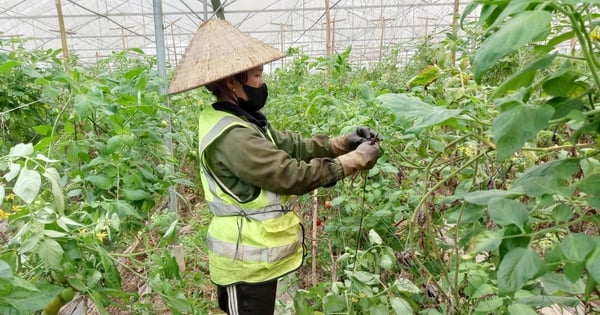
<point x="248" y="167"/>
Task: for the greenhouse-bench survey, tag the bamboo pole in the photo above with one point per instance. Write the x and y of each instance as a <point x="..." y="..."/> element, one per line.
<point x="455" y="16"/>
<point x="328" y="28"/>
<point x="63" y="34"/>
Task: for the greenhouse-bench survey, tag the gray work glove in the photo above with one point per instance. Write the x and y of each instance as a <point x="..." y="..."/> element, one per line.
<point x="364" y="157"/>
<point x="347" y="143"/>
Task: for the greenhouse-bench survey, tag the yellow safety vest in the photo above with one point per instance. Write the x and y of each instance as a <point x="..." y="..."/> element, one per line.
<point x="251" y="242"/>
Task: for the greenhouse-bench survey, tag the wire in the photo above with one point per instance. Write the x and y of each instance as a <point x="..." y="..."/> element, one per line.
<point x="315" y="23"/>
<point x="113" y="21"/>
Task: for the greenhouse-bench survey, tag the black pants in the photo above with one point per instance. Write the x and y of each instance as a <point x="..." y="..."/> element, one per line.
<point x="248" y="299"/>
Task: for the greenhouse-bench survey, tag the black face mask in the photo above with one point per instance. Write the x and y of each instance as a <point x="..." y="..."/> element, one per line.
<point x="257" y="97"/>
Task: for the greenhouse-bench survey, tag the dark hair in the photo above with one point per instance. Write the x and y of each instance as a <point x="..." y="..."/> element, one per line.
<point x="220" y="86"/>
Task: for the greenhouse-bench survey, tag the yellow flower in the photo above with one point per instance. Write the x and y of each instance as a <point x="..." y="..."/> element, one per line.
<point x="594" y="33"/>
<point x="3" y="215"/>
<point x="16" y="208"/>
<point x="10" y="197"/>
<point x="354" y="299"/>
<point x="101" y="235"/>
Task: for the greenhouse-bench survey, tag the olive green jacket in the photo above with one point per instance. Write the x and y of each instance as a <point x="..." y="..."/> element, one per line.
<point x="244" y="160"/>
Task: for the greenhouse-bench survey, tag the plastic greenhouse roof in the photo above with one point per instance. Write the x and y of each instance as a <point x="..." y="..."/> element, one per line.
<point x="95" y="28"/>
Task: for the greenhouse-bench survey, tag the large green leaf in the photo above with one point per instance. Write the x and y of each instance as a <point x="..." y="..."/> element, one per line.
<point x="59" y="198"/>
<point x="400" y="306"/>
<point x="592" y="263"/>
<point x="521" y="309"/>
<point x="411" y="108"/>
<point x="483" y="197"/>
<point x="576" y="246"/>
<point x="507" y="211"/>
<point x="564" y="106"/>
<point x="523" y="77"/>
<point x="27" y="185"/>
<point x="518" y="266"/>
<point x="590" y="185"/>
<point x="51" y="253"/>
<point x="100" y="181"/>
<point x="547" y="300"/>
<point x="558" y="169"/>
<point x="514" y="7"/>
<point x="517" y="32"/>
<point x="536" y="186"/>
<point x="515" y="126"/>
<point x="28" y="300"/>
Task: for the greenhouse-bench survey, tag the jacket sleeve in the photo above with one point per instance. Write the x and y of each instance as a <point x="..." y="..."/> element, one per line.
<point x="302" y="148"/>
<point x="244" y="159"/>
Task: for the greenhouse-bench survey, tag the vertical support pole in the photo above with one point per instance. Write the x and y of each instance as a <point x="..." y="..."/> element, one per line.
<point x="328" y="28"/>
<point x="205" y="10"/>
<point x="455" y="16"/>
<point x="63" y="33"/>
<point x="162" y="72"/>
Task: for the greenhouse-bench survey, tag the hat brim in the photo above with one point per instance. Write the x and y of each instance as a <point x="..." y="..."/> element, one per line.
<point x="219" y="50"/>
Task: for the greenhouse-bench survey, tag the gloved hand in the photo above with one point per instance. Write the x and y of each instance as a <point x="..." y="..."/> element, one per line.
<point x="364" y="157"/>
<point x="344" y="144"/>
<point x="360" y="135"/>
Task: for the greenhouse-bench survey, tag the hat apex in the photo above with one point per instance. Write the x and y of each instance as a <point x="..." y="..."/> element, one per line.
<point x="219" y="50"/>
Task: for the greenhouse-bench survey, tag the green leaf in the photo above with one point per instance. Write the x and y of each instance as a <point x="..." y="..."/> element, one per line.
<point x="557" y="169"/>
<point x="483" y="197"/>
<point x="374" y="238"/>
<point x="590" y="185"/>
<point x="59" y="198"/>
<point x="2" y="192"/>
<point x="51" y="253"/>
<point x="28" y="185"/>
<point x="547" y="300"/>
<point x="521" y="309"/>
<point x="411" y="108"/>
<point x="536" y="186"/>
<point x="406" y="286"/>
<point x="487" y="241"/>
<point x="507" y="211"/>
<point x="514" y="7"/>
<point x="524" y="77"/>
<point x="518" y="266"/>
<point x="516" y="33"/>
<point x="101" y="181"/>
<point x="28" y="301"/>
<point x="560" y="85"/>
<point x="135" y="194"/>
<point x="333" y="304"/>
<point x="515" y="126"/>
<point x="564" y="106"/>
<point x="488" y="305"/>
<point x="6" y="66"/>
<point x="83" y="106"/>
<point x="429" y="74"/>
<point x="558" y="284"/>
<point x="576" y="246"/>
<point x="5" y="270"/>
<point x="562" y="213"/>
<point x="365" y="277"/>
<point x="592" y="263"/>
<point x="21" y="150"/>
<point x="400" y="306"/>
<point x="573" y="271"/>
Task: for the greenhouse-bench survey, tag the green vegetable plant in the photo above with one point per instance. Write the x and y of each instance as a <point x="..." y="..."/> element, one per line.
<point x="516" y="232"/>
<point x="77" y="196"/>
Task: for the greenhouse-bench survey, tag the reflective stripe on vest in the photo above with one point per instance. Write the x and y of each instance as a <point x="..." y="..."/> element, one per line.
<point x="252" y="253"/>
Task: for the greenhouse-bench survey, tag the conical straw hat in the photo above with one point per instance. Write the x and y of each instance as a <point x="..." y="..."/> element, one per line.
<point x="216" y="51"/>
